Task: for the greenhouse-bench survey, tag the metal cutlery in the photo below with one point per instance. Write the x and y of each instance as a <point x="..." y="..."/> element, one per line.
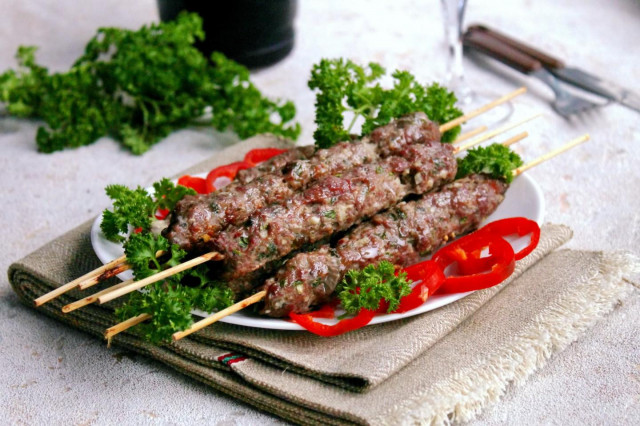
<point x="571" y="75"/>
<point x="565" y="103"/>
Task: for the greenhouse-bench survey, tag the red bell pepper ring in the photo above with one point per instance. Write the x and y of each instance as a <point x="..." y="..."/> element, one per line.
<point x="477" y="273"/>
<point x="162" y="214"/>
<point x="229" y="171"/>
<point x="257" y="156"/>
<point x="196" y="183"/>
<point x="520" y="226"/>
<point x="328" y="310"/>
<point x="431" y="278"/>
<point x="363" y="318"/>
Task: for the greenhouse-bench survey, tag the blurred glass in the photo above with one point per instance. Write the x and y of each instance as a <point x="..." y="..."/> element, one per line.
<point x="453" y="12"/>
<point x="453" y="17"/>
<point x="256" y="33"/>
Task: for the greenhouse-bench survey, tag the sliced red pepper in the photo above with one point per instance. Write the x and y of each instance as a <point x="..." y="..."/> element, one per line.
<point x="363" y="318"/>
<point x="257" y="156"/>
<point x="229" y="171"/>
<point x="162" y="213"/>
<point x="328" y="310"/>
<point x="196" y="183"/>
<point x="431" y="278"/>
<point x="520" y="226"/>
<point x="475" y="276"/>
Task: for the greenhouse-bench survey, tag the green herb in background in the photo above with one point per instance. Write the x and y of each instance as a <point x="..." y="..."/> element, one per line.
<point x="342" y="86"/>
<point x="138" y="86"/>
<point x="495" y="160"/>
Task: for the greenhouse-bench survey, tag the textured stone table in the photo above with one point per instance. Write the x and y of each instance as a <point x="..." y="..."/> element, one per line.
<point x="52" y="374"/>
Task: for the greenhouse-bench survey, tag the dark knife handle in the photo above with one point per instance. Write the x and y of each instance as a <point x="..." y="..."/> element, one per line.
<point x="546" y="60"/>
<point x="501" y="51"/>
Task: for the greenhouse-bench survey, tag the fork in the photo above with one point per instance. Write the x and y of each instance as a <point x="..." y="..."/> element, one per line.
<point x="565" y="103"/>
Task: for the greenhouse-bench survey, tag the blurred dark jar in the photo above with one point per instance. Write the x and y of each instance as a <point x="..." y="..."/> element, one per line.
<point x="255" y="33"/>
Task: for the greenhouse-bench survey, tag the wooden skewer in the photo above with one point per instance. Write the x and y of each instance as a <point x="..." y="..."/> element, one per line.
<point x="252" y="299"/>
<point x="223" y="313"/>
<point x="110" y="273"/>
<point x="493" y="133"/>
<point x="219" y="315"/>
<point x="575" y="142"/>
<point x="463" y="119"/>
<point x="471" y="133"/>
<point x="120" y="327"/>
<point x="136" y="285"/>
<point x="75" y="283"/>
<point x="261" y="295"/>
<point x="213" y="318"/>
<point x="93" y="298"/>
<point x="516" y="138"/>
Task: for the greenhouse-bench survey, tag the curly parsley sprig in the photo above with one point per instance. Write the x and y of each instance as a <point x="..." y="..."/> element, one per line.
<point x="170" y="307"/>
<point x="138" y="86"/>
<point x="495" y="160"/>
<point x="366" y="288"/>
<point x="136" y="207"/>
<point x="345" y="87"/>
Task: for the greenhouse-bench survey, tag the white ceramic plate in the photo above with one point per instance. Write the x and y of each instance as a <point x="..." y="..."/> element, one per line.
<point x="523" y="198"/>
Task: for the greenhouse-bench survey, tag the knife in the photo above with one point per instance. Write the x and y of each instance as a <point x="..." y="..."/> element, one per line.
<point x="571" y="75"/>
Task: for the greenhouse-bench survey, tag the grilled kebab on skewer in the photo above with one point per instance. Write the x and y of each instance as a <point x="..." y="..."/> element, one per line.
<point x="401" y="235"/>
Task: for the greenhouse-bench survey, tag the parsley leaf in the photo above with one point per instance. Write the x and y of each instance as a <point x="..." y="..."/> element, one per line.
<point x="136" y="208"/>
<point x="167" y="194"/>
<point x="169" y="303"/>
<point x="495" y="160"/>
<point x="141" y="250"/>
<point x="138" y="86"/>
<point x="130" y="207"/>
<point x="344" y="87"/>
<point x="366" y="288"/>
<point x="169" y="306"/>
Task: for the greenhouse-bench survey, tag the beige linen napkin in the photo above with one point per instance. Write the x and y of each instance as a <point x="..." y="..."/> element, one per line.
<point x="444" y="365"/>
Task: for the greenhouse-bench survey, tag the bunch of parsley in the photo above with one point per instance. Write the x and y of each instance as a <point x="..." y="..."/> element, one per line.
<point x="138" y="86"/>
<point x="345" y="87"/>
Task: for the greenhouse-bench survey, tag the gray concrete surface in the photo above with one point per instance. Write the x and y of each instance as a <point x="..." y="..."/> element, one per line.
<point x="51" y="374"/>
